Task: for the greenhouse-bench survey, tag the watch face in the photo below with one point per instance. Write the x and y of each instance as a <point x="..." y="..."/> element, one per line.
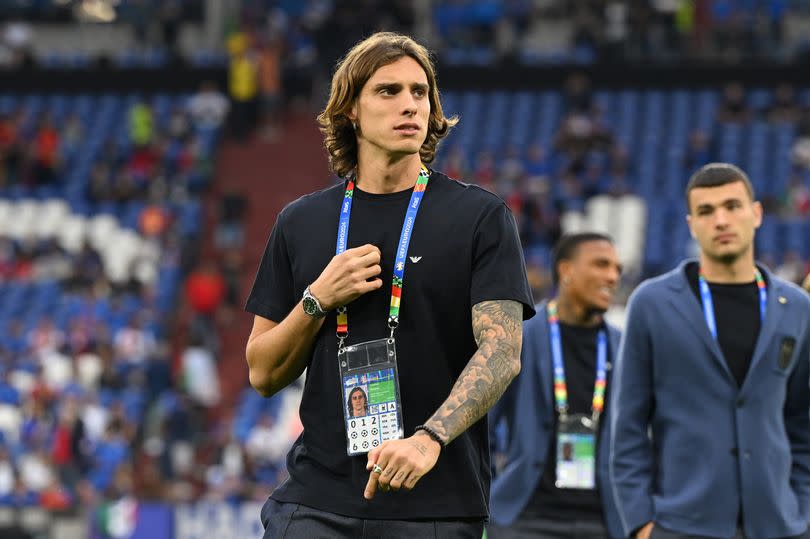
<point x="310" y="307"/>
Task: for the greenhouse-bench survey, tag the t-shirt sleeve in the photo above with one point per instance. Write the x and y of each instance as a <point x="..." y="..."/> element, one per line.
<point x="272" y="295"/>
<point x="498" y="269"/>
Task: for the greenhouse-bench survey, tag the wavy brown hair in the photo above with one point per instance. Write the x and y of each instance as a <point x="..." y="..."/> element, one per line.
<point x="352" y="73"/>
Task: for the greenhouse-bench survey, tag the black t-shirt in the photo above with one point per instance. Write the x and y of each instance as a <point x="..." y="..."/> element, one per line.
<point x="579" y="359"/>
<point x="736" y="313"/>
<point x="467" y="251"/>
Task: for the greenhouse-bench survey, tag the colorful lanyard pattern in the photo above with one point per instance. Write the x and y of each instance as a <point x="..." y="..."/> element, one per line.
<point x="402" y="250"/>
<point x="708" y="304"/>
<point x="560" y="388"/>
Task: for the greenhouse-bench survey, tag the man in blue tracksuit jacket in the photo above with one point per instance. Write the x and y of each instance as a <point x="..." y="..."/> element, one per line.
<point x="527" y="498"/>
<point x="710" y="401"/>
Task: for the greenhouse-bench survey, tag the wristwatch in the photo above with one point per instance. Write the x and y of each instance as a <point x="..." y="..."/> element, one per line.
<point x="312" y="306"/>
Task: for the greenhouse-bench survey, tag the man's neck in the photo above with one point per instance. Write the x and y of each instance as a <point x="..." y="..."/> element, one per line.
<point x="740" y="270"/>
<point x="574" y="313"/>
<point x="385" y="174"/>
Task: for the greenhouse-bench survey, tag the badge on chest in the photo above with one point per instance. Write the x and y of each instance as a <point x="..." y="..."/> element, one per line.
<point x="371" y="387"/>
<point x="576" y="452"/>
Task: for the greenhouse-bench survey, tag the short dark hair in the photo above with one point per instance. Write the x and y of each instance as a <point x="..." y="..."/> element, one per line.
<point x="567" y="246"/>
<point x="715" y="175"/>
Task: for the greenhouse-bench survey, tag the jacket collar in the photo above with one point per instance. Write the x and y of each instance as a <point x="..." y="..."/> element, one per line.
<point x="691" y="311"/>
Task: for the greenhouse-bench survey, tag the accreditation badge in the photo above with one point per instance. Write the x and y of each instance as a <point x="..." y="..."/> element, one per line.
<point x="576" y="452"/>
<point x="370" y="387"/>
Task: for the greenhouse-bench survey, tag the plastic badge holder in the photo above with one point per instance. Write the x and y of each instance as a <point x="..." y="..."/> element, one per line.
<point x="576" y="448"/>
<point x="370" y="387"/>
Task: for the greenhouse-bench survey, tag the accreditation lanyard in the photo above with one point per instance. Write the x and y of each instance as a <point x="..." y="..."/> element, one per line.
<point x="708" y="305"/>
<point x="560" y="388"/>
<point x="401" y="255"/>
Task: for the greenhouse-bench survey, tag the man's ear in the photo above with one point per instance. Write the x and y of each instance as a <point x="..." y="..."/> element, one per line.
<point x="689" y="224"/>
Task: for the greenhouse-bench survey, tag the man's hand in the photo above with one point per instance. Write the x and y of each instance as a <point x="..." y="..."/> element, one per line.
<point x="348" y="276"/>
<point x="645" y="531"/>
<point x="403" y="463"/>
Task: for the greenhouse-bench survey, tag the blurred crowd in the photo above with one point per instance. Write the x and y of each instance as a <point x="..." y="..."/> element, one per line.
<point x="621" y="30"/>
<point x="111" y="389"/>
<point x="586" y="159"/>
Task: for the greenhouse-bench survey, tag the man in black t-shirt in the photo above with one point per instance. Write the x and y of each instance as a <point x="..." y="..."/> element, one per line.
<point x="710" y="434"/>
<point x="397" y="261"/>
<point x="530" y="494"/>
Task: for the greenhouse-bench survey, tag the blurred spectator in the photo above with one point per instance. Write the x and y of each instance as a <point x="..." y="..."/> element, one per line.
<point x="801" y="146"/>
<point x="697" y="153"/>
<point x="87" y="267"/>
<point x="792" y="267"/>
<point x="232" y="272"/>
<point x="265" y="442"/>
<point x="208" y="107"/>
<point x="7" y="473"/>
<point x="269" y="72"/>
<point x="806" y="283"/>
<point x="784" y="108"/>
<point x="797" y="197"/>
<point x="733" y="108"/>
<point x="244" y="86"/>
<point x="133" y="343"/>
<point x="455" y="164"/>
<point x="10" y="150"/>
<point x="229" y="232"/>
<point x="577" y="94"/>
<point x="46" y="153"/>
<point x="52" y="263"/>
<point x="199" y="372"/>
<point x="141" y="124"/>
<point x="45" y="337"/>
<point x="205" y="289"/>
<point x="536" y="164"/>
<point x="35" y="470"/>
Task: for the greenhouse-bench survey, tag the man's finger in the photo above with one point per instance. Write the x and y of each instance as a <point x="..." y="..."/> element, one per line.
<point x="368" y="259"/>
<point x="373" y="456"/>
<point x="371" y="486"/>
<point x="411" y="481"/>
<point x="377" y="461"/>
<point x="363" y="250"/>
<point x="399" y="478"/>
<point x="369" y="272"/>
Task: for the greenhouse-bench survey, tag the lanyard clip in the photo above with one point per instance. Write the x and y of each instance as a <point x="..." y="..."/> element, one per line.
<point x="393" y="324"/>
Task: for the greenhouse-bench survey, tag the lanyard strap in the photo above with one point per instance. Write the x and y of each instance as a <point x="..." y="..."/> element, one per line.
<point x="560" y="388"/>
<point x="708" y="304"/>
<point x="402" y="250"/>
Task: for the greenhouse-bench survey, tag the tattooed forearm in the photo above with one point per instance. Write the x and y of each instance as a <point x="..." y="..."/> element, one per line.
<point x="497" y="326"/>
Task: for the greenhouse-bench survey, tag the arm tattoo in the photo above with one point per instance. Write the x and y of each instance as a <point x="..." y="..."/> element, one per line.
<point x="497" y="326"/>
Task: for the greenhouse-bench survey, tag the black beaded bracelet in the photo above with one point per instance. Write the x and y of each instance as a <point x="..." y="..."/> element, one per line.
<point x="432" y="433"/>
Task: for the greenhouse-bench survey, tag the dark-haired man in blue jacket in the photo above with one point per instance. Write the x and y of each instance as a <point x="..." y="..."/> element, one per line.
<point x="710" y="399"/>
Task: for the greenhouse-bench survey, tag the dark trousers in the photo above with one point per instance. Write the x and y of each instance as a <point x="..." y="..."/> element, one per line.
<point x="546" y="528"/>
<point x="294" y="521"/>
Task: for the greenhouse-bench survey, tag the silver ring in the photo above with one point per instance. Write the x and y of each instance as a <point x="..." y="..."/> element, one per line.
<point x="376" y="469"/>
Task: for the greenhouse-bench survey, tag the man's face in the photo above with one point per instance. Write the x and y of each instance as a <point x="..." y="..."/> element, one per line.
<point x="392" y="109"/>
<point x="723" y="220"/>
<point x="358" y="402"/>
<point x="592" y="274"/>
